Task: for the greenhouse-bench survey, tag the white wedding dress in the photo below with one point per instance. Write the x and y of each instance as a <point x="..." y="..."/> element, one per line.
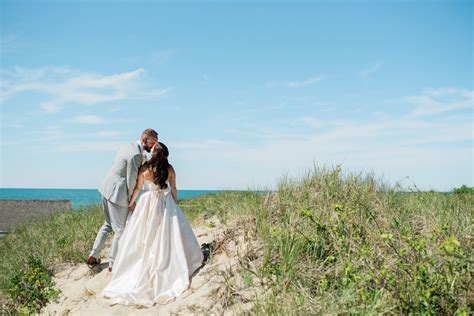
<point x="157" y="253"/>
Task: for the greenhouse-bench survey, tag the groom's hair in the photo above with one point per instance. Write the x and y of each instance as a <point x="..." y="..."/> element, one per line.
<point x="148" y="133"/>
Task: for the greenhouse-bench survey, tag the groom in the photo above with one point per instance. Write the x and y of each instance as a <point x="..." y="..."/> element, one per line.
<point x="117" y="190"/>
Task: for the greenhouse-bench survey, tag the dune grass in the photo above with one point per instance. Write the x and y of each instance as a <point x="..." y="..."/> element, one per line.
<point x="330" y="243"/>
<point x="350" y="244"/>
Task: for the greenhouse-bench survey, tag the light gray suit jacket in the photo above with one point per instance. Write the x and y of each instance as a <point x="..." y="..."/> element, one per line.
<point x="121" y="180"/>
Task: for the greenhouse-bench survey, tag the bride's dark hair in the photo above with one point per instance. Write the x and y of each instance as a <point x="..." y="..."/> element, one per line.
<point x="158" y="165"/>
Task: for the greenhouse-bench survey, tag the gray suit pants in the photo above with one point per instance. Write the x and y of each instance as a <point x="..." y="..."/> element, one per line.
<point x="115" y="219"/>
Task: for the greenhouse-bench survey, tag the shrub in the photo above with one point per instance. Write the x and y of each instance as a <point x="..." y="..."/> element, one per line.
<point x="463" y="190"/>
<point x="31" y="287"/>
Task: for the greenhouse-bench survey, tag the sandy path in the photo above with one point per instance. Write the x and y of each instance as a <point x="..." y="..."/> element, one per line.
<point x="81" y="286"/>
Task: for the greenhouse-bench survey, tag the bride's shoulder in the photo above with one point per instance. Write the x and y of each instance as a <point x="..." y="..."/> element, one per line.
<point x="171" y="173"/>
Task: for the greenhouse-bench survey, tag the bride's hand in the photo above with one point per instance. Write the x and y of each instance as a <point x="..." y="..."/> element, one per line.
<point x="131" y="206"/>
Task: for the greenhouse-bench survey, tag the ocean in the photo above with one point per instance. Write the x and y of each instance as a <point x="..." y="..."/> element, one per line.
<point x="78" y="197"/>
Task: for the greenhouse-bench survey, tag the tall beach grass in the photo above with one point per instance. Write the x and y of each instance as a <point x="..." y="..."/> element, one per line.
<point x="339" y="243"/>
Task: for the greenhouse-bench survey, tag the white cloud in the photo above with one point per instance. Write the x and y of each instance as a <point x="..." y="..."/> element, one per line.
<point x="88" y="119"/>
<point x="15" y="125"/>
<point x="312" y="122"/>
<point x="435" y="101"/>
<point x="372" y="69"/>
<point x="62" y="86"/>
<point x="91" y="146"/>
<point x="153" y="94"/>
<point x="304" y="83"/>
<point x="55" y="137"/>
<point x="49" y="107"/>
<point x="100" y="81"/>
<point x="49" y="135"/>
<point x="294" y="84"/>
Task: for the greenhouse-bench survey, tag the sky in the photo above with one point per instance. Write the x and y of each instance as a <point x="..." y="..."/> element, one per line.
<point x="243" y="93"/>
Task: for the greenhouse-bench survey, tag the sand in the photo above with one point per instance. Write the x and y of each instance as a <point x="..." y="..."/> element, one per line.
<point x="214" y="289"/>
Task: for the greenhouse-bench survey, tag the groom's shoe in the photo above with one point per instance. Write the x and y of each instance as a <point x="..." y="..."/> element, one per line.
<point x="92" y="261"/>
<point x="110" y="266"/>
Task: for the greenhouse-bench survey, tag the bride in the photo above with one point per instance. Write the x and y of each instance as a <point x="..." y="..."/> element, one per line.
<point x="158" y="251"/>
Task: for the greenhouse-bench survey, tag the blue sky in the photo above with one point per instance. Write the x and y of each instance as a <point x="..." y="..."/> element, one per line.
<point x="242" y="92"/>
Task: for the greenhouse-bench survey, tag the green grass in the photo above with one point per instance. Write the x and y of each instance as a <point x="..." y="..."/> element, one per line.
<point x="328" y="243"/>
<point x="350" y="244"/>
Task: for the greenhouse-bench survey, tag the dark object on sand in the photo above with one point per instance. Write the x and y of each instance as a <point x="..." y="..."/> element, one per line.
<point x="92" y="262"/>
<point x="207" y="249"/>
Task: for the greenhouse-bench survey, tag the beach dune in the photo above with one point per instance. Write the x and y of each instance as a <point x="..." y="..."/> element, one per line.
<point x="81" y="287"/>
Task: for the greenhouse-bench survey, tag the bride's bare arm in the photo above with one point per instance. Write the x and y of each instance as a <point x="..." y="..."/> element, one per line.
<point x="172" y="181"/>
<point x="138" y="188"/>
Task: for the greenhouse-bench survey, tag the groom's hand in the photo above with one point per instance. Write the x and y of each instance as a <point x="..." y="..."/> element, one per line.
<point x="131" y="206"/>
<point x="154" y="148"/>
